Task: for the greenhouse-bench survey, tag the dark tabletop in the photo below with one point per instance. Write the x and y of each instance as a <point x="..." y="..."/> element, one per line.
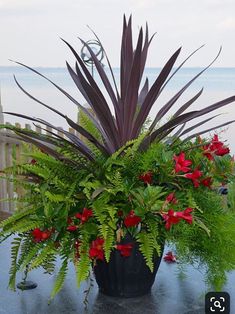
<point x="170" y="294"/>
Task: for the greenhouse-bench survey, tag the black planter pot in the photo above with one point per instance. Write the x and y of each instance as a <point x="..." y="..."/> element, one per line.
<point x="126" y="276"/>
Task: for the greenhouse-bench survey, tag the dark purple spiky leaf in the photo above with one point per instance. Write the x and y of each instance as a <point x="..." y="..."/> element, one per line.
<point x="153" y="94"/>
<point x="198" y="124"/>
<point x="143" y="92"/>
<point x="109" y="64"/>
<point x="90" y="79"/>
<point x="127" y="55"/>
<point x="187" y="104"/>
<point x="170" y="125"/>
<point x="185" y="118"/>
<point x="208" y="130"/>
<point x="102" y="75"/>
<point x="162" y="112"/>
<point x="63" y="92"/>
<point x="216" y="106"/>
<point x="101" y="109"/>
<point x="131" y="98"/>
<point x="81" y="130"/>
<point x="81" y="146"/>
<point x="179" y="67"/>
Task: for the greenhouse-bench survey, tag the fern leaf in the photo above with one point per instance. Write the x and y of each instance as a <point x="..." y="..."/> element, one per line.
<point x="60" y="278"/>
<point x="146" y="247"/>
<point x="42" y="256"/>
<point x="14" y="255"/>
<point x="83" y="266"/>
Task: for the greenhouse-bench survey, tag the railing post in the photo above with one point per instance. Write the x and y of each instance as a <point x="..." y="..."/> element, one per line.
<point x="3" y="183"/>
<point x="9" y="184"/>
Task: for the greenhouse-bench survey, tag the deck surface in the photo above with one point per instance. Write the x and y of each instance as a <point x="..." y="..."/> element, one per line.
<point x="169" y="294"/>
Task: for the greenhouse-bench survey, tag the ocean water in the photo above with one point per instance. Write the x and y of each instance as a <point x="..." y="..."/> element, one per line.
<point x="218" y="83"/>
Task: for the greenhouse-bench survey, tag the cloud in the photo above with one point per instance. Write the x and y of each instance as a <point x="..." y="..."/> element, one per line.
<point x="227" y="24"/>
<point x="7" y="4"/>
<point x="143" y="4"/>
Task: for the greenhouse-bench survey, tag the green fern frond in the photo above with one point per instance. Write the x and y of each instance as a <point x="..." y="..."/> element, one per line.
<point x="84" y="263"/>
<point x="41" y="257"/>
<point x="30" y="255"/>
<point x="56" y="198"/>
<point x="14" y="256"/>
<point x="23" y="225"/>
<point x="109" y="241"/>
<point x="49" y="264"/>
<point x="60" y="278"/>
<point x="146" y="247"/>
<point x="19" y="214"/>
<point x="192" y="202"/>
<point x="88" y="125"/>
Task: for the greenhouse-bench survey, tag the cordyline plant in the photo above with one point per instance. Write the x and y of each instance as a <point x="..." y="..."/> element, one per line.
<point x="84" y="193"/>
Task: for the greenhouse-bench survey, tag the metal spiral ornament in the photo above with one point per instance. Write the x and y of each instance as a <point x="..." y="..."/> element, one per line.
<point x="86" y="56"/>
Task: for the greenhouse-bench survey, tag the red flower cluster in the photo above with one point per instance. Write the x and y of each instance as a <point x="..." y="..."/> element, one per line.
<point x="194" y="176"/>
<point x="39" y="235"/>
<point x="172" y="217"/>
<point x="169" y="257"/>
<point x="207" y="182"/>
<point x="96" y="249"/>
<point x="72" y="228"/>
<point x="131" y="219"/>
<point x="125" y="249"/>
<point x="86" y="214"/>
<point x="171" y="198"/>
<point x="181" y="164"/>
<point x="147" y="177"/>
<point x="215" y="147"/>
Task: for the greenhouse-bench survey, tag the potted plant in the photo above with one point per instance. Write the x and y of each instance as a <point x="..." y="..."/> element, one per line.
<point x="111" y="199"/>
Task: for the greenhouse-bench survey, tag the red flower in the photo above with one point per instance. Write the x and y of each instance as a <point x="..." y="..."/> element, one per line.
<point x="216" y="147"/>
<point x="33" y="161"/>
<point x="208" y="155"/>
<point x="171" y="198"/>
<point x="96" y="249"/>
<point x="86" y="214"/>
<point x="172" y="217"/>
<point x="181" y="164"/>
<point x="169" y="258"/>
<point x="131" y="219"/>
<point x="39" y="235"/>
<point x="221" y="151"/>
<point x="186" y="215"/>
<point x="72" y="228"/>
<point x="207" y="182"/>
<point x="125" y="249"/>
<point x="147" y="177"/>
<point x="46" y="234"/>
<point x="194" y="176"/>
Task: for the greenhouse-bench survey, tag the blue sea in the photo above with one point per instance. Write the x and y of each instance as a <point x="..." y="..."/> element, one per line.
<point x="218" y="83"/>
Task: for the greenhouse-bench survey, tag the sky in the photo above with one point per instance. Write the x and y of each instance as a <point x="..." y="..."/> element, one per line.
<point x="30" y="30"/>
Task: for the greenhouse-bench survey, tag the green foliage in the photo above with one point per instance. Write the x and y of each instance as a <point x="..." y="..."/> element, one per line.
<point x="147" y="245"/>
<point x="83" y="265"/>
<point x="60" y="278"/>
<point x="42" y="257"/>
<point x="53" y="223"/>
<point x="15" y="247"/>
<point x="82" y="195"/>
